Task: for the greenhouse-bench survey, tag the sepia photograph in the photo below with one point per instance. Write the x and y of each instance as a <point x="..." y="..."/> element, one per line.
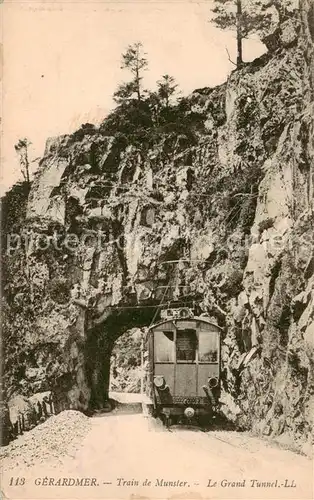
<point x="157" y="249"/>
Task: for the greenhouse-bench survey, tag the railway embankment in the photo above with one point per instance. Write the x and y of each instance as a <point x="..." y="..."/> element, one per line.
<point x="50" y="443"/>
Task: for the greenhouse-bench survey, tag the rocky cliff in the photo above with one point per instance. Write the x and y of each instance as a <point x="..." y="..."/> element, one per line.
<point x="217" y="212"/>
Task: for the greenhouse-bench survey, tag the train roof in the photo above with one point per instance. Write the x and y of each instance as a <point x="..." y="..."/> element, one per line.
<point x="194" y="318"/>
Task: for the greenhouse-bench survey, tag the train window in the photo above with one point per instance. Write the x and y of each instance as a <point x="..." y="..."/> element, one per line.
<point x="186" y="346"/>
<point x="208" y="347"/>
<point x="164" y="347"/>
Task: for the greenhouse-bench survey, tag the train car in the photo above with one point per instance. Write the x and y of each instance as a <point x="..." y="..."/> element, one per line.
<point x="185" y="369"/>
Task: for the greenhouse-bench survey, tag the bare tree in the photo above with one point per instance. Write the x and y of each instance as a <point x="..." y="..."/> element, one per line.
<point x="21" y="147"/>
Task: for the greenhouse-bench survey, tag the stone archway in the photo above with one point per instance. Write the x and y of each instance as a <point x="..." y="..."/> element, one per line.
<point x="99" y="346"/>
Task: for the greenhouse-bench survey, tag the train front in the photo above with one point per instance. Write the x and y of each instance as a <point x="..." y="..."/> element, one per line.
<point x="185" y="355"/>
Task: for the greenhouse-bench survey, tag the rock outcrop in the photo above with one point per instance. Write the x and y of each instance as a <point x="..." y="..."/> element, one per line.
<point x="221" y="217"/>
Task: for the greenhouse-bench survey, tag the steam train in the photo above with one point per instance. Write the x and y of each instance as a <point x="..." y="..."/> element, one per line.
<point x="184" y="360"/>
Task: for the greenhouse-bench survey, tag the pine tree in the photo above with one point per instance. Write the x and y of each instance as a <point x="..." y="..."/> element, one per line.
<point x="135" y="61"/>
<point x="245" y="17"/>
<point x="166" y="88"/>
<point x="160" y="101"/>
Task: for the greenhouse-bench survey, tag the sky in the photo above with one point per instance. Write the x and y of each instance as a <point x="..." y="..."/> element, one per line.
<point x="61" y="62"/>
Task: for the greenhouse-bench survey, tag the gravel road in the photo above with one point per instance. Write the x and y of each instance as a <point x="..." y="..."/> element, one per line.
<point x="116" y="455"/>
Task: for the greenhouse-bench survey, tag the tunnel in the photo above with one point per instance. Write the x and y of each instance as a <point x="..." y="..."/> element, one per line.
<point x="99" y="346"/>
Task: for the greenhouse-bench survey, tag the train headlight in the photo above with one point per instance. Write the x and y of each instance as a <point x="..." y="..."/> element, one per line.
<point x="213" y="382"/>
<point x="189" y="412"/>
<point x="159" y="381"/>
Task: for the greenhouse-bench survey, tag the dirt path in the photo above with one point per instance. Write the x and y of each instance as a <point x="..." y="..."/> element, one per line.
<point x="125" y="449"/>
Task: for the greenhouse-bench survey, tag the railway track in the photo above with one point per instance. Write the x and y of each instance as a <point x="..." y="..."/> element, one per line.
<point x="204" y="431"/>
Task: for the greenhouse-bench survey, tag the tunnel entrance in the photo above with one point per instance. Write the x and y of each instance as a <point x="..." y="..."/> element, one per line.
<point x="113" y="354"/>
<point x="113" y="349"/>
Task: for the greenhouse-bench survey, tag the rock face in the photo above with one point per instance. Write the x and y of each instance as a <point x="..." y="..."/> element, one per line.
<point x="224" y="219"/>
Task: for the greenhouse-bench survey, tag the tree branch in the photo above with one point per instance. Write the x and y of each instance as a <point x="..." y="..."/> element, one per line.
<point x="229" y="56"/>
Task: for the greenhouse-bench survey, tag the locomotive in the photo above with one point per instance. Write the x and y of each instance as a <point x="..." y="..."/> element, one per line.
<point x="184" y="360"/>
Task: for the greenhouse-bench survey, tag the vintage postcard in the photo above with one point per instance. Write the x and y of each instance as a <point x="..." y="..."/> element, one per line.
<point x="157" y="249"/>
